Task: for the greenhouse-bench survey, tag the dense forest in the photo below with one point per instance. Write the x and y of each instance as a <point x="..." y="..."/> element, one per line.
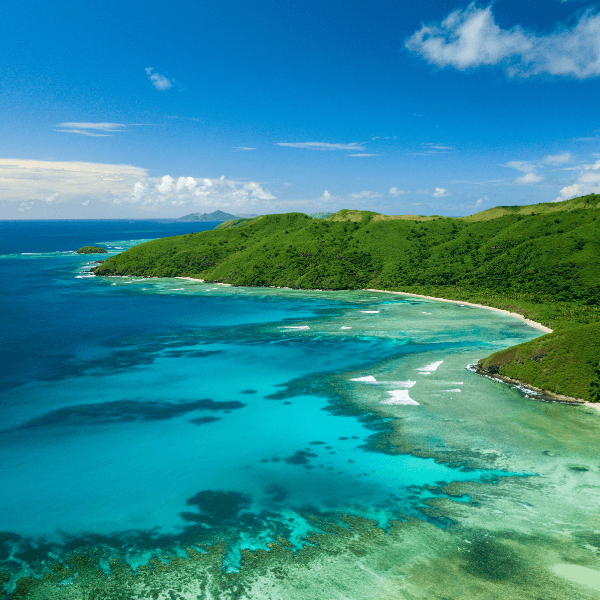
<point x="540" y="260"/>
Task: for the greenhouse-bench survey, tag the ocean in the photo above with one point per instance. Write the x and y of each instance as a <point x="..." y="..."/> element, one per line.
<point x="142" y="420"/>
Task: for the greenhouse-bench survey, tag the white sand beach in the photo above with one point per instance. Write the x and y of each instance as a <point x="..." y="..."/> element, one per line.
<point x="500" y="310"/>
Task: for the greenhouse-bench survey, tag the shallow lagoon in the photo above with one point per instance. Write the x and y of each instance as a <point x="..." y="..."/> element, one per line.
<point x="144" y="417"/>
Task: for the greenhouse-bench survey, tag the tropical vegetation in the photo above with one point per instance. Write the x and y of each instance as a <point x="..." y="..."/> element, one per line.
<point x="541" y="260"/>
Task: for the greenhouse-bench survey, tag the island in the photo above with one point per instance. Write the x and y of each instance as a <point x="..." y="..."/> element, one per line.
<point x="217" y="215"/>
<point x="92" y="250"/>
<point x="541" y="261"/>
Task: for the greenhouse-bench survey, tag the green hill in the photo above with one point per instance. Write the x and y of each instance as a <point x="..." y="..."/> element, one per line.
<point x="539" y="261"/>
<point x="232" y="223"/>
<point x="218" y="215"/>
<point x="583" y="202"/>
<point x="563" y="362"/>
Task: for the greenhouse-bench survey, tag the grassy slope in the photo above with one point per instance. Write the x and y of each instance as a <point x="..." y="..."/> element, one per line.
<point x="544" y="265"/>
<point x="563" y="362"/>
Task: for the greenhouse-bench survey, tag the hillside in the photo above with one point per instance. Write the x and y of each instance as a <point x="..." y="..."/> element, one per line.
<point x="540" y="261"/>
<point x="563" y="362"/>
<point x="218" y="215"/>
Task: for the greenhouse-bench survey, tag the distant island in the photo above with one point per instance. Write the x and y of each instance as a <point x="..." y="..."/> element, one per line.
<point x="91" y="250"/>
<point x="218" y="215"/>
<point x="541" y="261"/>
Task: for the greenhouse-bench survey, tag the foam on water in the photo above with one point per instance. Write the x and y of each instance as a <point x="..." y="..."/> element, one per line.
<point x="398" y="398"/>
<point x="430" y="368"/>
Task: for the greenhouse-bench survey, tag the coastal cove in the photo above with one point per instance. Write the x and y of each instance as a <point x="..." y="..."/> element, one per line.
<point x="174" y="438"/>
<point x="540" y="261"/>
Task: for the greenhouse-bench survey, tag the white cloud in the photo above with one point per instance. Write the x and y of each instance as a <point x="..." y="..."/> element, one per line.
<point x="527" y="168"/>
<point x="62" y="183"/>
<point x="586" y="182"/>
<point x="91" y="129"/>
<point x="52" y="198"/>
<point x="256" y="191"/>
<point x="521" y="165"/>
<point x="558" y="159"/>
<point x="471" y="38"/>
<point x="321" y="145"/>
<point x="243" y="149"/>
<point x="38" y="179"/>
<point x="479" y="203"/>
<point x="166" y="185"/>
<point x="429" y="148"/>
<point x="440" y="192"/>
<point x="160" y="82"/>
<point x="196" y="192"/>
<point x="326" y="196"/>
<point x="529" y="178"/>
<point x="394" y="191"/>
<point x="364" y="195"/>
<point x="100" y="126"/>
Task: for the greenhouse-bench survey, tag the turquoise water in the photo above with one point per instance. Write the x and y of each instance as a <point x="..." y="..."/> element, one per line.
<point x="143" y="414"/>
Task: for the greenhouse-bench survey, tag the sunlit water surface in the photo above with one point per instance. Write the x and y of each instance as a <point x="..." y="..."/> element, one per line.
<point x="148" y="414"/>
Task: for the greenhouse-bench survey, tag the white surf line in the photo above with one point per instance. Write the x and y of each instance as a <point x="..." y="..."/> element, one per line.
<point x="463" y="303"/>
<point x="345" y="327"/>
<point x="369" y="312"/>
<point x="370" y="379"/>
<point x="296" y="328"/>
<point x="430" y="368"/>
<point x="399" y="398"/>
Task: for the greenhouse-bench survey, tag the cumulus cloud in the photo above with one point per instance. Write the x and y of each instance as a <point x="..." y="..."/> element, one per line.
<point x="91" y="129"/>
<point x="440" y="192"/>
<point x="60" y="184"/>
<point x="558" y="159"/>
<point x="394" y="192"/>
<point x="196" y="192"/>
<point x="160" y="82"/>
<point x="326" y="196"/>
<point x="365" y="194"/>
<point x="321" y="145"/>
<point x="471" y="38"/>
<point x="586" y="182"/>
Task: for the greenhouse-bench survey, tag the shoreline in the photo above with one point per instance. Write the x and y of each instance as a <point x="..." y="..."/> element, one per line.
<point x="529" y="322"/>
<point x="551" y="397"/>
<point x="541" y="394"/>
<point x="191" y="279"/>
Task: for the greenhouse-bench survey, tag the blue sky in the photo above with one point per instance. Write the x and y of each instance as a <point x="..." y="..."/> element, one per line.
<point x="157" y="110"/>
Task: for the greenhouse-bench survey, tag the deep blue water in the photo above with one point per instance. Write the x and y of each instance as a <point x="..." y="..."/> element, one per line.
<point x="65" y="235"/>
<point x="174" y="408"/>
